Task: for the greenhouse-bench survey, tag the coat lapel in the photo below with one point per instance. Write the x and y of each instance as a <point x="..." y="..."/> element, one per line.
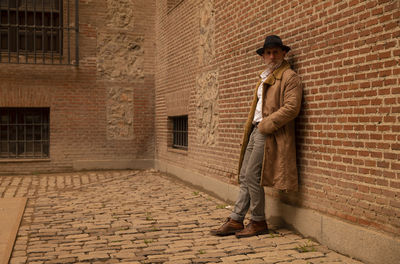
<point x="277" y="74"/>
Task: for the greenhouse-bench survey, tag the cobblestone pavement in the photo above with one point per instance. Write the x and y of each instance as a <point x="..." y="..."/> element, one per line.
<point x="138" y="217"/>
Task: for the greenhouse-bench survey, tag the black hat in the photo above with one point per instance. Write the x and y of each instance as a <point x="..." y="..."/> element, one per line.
<point x="272" y="41"/>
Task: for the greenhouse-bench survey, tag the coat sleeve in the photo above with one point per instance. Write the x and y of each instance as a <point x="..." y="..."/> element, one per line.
<point x="288" y="111"/>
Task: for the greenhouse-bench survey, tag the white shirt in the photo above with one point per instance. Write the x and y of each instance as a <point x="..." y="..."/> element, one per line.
<point x="258" y="113"/>
<point x="264" y="75"/>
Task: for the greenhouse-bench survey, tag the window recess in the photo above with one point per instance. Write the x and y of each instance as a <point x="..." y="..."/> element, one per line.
<point x="179" y="132"/>
<point x="39" y="32"/>
<point x="24" y="133"/>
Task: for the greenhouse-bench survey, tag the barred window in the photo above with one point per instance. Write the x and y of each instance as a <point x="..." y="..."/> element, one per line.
<point x="179" y="132"/>
<point x="24" y="133"/>
<point x="33" y="31"/>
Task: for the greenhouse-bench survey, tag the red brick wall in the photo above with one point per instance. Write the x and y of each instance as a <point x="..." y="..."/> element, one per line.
<point x="77" y="96"/>
<point x="347" y="54"/>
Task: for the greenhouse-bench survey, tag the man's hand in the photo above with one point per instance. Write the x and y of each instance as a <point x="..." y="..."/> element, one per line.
<point x="266" y="126"/>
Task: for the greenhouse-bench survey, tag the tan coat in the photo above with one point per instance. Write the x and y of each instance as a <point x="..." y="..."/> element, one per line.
<point x="282" y="95"/>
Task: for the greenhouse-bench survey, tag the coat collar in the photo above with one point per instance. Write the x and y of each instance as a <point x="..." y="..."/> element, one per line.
<point x="277" y="74"/>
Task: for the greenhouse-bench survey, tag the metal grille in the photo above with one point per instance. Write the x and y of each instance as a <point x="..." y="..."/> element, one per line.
<point x="39" y="32"/>
<point x="24" y="133"/>
<point x="180" y="132"/>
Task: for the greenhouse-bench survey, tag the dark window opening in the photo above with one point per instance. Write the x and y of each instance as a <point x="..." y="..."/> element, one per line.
<point x="180" y="132"/>
<point x="24" y="133"/>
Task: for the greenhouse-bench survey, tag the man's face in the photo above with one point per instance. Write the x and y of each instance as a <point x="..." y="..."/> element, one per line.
<point x="273" y="56"/>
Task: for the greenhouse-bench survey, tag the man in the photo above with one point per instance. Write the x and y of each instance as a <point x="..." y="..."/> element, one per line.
<point x="268" y="154"/>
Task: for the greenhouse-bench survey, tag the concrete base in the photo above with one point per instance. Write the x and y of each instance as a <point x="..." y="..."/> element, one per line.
<point x="361" y="243"/>
<point x="113" y="164"/>
<point x="11" y="211"/>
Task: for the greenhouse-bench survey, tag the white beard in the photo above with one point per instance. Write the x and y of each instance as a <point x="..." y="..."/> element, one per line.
<point x="273" y="66"/>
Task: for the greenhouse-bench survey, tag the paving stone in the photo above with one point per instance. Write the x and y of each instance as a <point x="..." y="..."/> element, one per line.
<point x="308" y="255"/>
<point x="18" y="260"/>
<point x="235" y="258"/>
<point x="205" y="260"/>
<point x="79" y="236"/>
<point x="252" y="261"/>
<point x="39" y="250"/>
<point x="214" y="255"/>
<point x="273" y="260"/>
<point x="137" y="217"/>
<point x="62" y="261"/>
<point x="93" y="256"/>
<point x="18" y="253"/>
<point x="187" y="261"/>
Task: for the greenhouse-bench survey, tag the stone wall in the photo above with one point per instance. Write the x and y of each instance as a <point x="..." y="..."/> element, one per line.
<point x="120" y="56"/>
<point x="207" y="114"/>
<point x="207" y="108"/>
<point x="207" y="28"/>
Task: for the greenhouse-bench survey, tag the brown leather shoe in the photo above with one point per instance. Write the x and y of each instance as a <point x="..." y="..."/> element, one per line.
<point x="255" y="228"/>
<point x="230" y="227"/>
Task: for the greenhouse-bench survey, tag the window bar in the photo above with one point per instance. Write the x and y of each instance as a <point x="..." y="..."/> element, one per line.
<point x="32" y="143"/>
<point x="47" y="132"/>
<point x="41" y="133"/>
<point x="0" y="33"/>
<point x="32" y="139"/>
<point x="177" y="132"/>
<point x="33" y="136"/>
<point x="181" y="132"/>
<point x="35" y="140"/>
<point x="76" y="32"/>
<point x="34" y="31"/>
<point x="68" y="33"/>
<point x="51" y="31"/>
<point x="26" y="31"/>
<point x="185" y="134"/>
<point x="173" y="138"/>
<point x="17" y="26"/>
<point x="24" y="115"/>
<point x="173" y="133"/>
<point x="10" y="140"/>
<point x="9" y="31"/>
<point x="60" y="17"/>
<point x="16" y="135"/>
<point x="43" y="58"/>
<point x="8" y="134"/>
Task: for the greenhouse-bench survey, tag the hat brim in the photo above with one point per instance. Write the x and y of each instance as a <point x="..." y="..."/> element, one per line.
<point x="260" y="51"/>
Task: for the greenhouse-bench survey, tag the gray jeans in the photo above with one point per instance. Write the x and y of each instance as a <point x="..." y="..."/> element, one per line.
<point x="251" y="194"/>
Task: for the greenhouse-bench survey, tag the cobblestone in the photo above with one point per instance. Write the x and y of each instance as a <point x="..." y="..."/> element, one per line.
<point x="137" y="217"/>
